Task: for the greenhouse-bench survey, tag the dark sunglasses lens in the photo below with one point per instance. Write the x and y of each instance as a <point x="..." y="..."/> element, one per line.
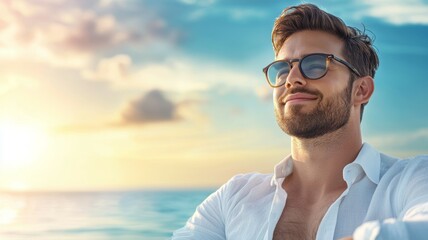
<point x="314" y="66"/>
<point x="277" y="73"/>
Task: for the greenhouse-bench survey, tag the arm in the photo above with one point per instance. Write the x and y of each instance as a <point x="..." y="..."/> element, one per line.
<point x="392" y="228"/>
<point x="207" y="222"/>
<point x="411" y="204"/>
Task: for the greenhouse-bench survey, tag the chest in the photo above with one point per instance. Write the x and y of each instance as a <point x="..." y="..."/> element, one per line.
<point x="299" y="221"/>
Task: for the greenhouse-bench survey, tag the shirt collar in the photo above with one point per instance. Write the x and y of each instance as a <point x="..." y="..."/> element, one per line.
<point x="368" y="158"/>
<point x="282" y="170"/>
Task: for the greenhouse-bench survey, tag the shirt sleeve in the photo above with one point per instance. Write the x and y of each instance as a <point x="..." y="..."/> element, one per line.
<point x="411" y="206"/>
<point x="207" y="222"/>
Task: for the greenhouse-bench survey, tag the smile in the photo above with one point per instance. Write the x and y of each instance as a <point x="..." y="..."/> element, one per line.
<point x="299" y="98"/>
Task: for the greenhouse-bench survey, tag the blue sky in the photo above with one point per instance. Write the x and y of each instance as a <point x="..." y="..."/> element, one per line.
<point x="124" y="93"/>
<point x="237" y="33"/>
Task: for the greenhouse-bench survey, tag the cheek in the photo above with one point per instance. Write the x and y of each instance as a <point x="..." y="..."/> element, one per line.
<point x="277" y="104"/>
<point x="277" y="93"/>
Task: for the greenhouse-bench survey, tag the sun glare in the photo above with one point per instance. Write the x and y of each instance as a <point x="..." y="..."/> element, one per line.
<point x="20" y="144"/>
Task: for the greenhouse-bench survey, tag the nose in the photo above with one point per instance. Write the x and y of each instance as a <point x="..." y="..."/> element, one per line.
<point x="295" y="77"/>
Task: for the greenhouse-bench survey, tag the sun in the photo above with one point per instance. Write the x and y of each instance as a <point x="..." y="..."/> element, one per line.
<point x="20" y="144"/>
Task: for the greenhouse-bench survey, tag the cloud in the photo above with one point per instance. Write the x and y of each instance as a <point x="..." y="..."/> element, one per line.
<point x="402" y="143"/>
<point x="397" y="11"/>
<point x="90" y="32"/>
<point x="151" y="107"/>
<point x="234" y="13"/>
<point x="67" y="37"/>
<point x="111" y="3"/>
<point x="112" y="69"/>
<point x="72" y="33"/>
<point x="179" y="74"/>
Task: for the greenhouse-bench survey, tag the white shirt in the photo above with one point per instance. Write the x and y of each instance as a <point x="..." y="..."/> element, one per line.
<point x="385" y="199"/>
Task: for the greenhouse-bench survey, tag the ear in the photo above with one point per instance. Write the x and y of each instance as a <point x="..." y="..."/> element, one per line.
<point x="363" y="90"/>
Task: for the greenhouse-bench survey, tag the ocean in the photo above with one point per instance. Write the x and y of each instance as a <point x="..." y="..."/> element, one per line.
<point x="132" y="215"/>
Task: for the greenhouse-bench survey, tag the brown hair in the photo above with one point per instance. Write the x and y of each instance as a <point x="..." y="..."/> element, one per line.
<point x="358" y="46"/>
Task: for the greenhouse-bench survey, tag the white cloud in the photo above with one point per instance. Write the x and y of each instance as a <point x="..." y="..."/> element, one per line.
<point x="108" y="3"/>
<point x="111" y="69"/>
<point x="60" y="37"/>
<point x="234" y="13"/>
<point x="178" y="74"/>
<point x="397" y="11"/>
<point x="402" y="143"/>
<point x="105" y="24"/>
<point x="86" y="31"/>
<point x="68" y="35"/>
<point x="25" y="8"/>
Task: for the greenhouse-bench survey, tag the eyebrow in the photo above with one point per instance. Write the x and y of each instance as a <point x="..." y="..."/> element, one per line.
<point x="288" y="59"/>
<point x="302" y="56"/>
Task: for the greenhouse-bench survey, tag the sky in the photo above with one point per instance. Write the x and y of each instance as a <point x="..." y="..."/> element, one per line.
<point x="135" y="94"/>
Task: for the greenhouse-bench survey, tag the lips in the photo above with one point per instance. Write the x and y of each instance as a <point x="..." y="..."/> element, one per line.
<point x="299" y="97"/>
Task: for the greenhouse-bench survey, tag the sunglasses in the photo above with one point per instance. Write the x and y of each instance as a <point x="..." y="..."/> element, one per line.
<point x="313" y="66"/>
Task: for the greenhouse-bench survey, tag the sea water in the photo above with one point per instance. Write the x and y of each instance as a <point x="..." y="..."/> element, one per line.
<point x="143" y="215"/>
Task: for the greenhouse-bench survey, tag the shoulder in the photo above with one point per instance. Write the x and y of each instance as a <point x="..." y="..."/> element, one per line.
<point x="395" y="166"/>
<point x="415" y="168"/>
<point x="244" y="185"/>
<point x="418" y="160"/>
<point x="407" y="174"/>
<point x="411" y="183"/>
<point x="250" y="178"/>
<point x="411" y="165"/>
<point x="241" y="186"/>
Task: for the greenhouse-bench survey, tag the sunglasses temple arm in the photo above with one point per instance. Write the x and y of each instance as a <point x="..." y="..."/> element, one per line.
<point x="348" y="65"/>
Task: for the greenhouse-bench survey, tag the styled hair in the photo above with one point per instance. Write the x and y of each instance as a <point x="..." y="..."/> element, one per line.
<point x="358" y="46"/>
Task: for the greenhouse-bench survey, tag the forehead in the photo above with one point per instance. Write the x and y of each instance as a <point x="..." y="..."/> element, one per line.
<point x="308" y="41"/>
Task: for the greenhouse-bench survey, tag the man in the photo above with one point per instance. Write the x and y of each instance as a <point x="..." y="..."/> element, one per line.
<point x="332" y="186"/>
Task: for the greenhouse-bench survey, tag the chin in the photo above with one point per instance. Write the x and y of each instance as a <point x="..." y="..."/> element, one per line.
<point x="296" y="109"/>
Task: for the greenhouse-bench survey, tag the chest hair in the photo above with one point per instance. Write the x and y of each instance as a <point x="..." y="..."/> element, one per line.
<point x="299" y="223"/>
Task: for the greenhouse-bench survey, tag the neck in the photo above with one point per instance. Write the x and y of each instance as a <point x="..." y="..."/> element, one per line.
<point x="319" y="162"/>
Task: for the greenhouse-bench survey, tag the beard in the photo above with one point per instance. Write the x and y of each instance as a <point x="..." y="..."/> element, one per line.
<point x="330" y="115"/>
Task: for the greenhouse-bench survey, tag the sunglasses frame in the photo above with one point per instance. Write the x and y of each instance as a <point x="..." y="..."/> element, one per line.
<point x="290" y="62"/>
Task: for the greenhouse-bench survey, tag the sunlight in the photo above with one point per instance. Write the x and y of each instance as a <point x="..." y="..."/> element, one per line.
<point x="7" y="216"/>
<point x="17" y="186"/>
<point x="20" y="144"/>
<point x="10" y="209"/>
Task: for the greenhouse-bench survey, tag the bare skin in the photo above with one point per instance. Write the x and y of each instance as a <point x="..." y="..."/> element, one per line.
<point x="317" y="181"/>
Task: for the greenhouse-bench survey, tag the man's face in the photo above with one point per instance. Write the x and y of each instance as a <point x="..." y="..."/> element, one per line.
<point x="311" y="108"/>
